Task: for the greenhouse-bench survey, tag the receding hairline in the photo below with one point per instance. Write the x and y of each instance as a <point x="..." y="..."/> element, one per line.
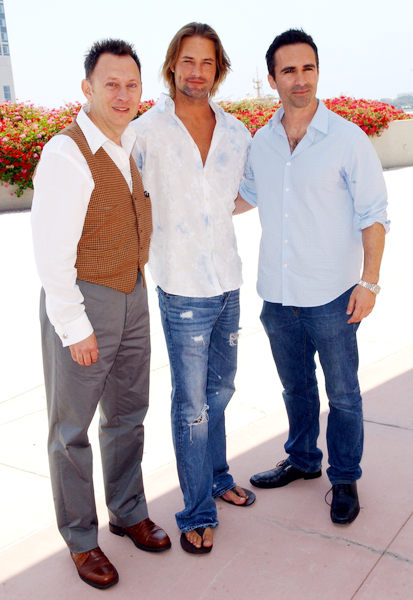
<point x="116" y="47"/>
<point x="120" y="56"/>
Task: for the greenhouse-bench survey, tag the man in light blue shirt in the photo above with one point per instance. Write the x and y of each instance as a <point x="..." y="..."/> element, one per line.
<point x="319" y="188"/>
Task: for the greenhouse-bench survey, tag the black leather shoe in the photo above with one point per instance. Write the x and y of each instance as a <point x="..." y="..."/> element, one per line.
<point x="345" y="503"/>
<point x="283" y="474"/>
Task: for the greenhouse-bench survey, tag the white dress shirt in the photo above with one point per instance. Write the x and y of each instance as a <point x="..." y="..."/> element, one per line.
<point x="63" y="185"/>
<point x="193" y="248"/>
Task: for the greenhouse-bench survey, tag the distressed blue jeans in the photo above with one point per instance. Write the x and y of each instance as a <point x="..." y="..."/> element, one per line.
<point x="201" y="336"/>
<point x="295" y="334"/>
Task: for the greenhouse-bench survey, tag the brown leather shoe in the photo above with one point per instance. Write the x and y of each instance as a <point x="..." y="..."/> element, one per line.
<point x="145" y="535"/>
<point x="95" y="568"/>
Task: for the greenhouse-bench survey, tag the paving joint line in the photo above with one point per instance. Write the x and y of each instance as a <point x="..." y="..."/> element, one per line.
<point x="23" y="416"/>
<point x="2" y="464"/>
<point x="338" y="538"/>
<point x="37" y="387"/>
<point x="385" y="553"/>
<point x="388" y="425"/>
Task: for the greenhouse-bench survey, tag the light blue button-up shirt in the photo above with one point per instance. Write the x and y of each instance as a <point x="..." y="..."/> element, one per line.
<point x="313" y="205"/>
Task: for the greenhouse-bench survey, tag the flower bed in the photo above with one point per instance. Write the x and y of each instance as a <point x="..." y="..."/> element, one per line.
<point x="24" y="128"/>
<point x="372" y="116"/>
<point x="253" y="113"/>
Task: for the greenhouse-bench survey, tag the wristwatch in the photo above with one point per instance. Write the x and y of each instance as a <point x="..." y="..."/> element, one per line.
<point x="373" y="287"/>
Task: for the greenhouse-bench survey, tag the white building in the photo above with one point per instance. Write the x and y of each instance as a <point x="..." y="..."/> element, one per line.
<point x="6" y="75"/>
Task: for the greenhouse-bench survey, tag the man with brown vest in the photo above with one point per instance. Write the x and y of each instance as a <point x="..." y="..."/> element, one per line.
<point x="91" y="229"/>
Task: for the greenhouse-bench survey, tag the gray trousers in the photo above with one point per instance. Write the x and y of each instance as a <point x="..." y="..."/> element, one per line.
<point x="119" y="384"/>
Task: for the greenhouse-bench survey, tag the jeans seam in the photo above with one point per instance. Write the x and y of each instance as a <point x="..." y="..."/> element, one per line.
<point x="306" y="379"/>
<point x="226" y="297"/>
<point x="178" y="405"/>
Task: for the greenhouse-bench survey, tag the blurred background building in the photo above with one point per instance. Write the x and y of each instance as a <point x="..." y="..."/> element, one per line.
<point x="6" y="74"/>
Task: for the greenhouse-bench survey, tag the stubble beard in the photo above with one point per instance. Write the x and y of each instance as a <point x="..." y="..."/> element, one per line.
<point x="302" y="101"/>
<point x="200" y="92"/>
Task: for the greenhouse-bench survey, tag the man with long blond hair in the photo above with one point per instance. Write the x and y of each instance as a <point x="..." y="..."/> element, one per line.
<point x="192" y="156"/>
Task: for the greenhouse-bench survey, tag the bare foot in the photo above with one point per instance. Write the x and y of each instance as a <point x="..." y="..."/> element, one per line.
<point x="196" y="540"/>
<point x="237" y="495"/>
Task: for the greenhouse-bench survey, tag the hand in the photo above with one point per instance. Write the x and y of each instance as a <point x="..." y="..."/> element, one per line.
<point x="86" y="351"/>
<point x="361" y="304"/>
<point x="241" y="205"/>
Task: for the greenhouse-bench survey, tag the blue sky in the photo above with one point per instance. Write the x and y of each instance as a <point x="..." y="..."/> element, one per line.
<point x="365" y="47"/>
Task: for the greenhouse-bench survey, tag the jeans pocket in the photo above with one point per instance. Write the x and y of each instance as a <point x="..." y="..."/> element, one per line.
<point x="160" y="292"/>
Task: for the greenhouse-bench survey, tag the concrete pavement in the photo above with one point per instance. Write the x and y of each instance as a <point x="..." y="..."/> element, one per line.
<point x="285" y="545"/>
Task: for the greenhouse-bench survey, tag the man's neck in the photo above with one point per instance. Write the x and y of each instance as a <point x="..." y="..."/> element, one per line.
<point x="109" y="132"/>
<point x="297" y="119"/>
<point x="192" y="107"/>
<point x="199" y="120"/>
<point x="295" y="122"/>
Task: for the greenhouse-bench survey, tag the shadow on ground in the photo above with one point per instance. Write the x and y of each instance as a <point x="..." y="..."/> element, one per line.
<point x="282" y="547"/>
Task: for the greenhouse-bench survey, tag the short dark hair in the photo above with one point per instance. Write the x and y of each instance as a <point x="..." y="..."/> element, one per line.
<point x="291" y="36"/>
<point x="116" y="47"/>
<point x="189" y="30"/>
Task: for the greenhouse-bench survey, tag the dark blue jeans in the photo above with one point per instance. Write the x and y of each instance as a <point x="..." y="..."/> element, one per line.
<point x="201" y="336"/>
<point x="295" y="335"/>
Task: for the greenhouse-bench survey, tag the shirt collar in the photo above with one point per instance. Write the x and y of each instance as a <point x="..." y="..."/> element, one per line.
<point x="166" y="104"/>
<point x="319" y="122"/>
<point x="95" y="138"/>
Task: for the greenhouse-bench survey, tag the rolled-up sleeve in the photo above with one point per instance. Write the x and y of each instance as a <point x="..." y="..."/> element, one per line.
<point x="247" y="188"/>
<point x="366" y="183"/>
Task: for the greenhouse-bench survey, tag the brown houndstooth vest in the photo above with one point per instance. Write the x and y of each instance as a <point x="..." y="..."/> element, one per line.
<point x="115" y="239"/>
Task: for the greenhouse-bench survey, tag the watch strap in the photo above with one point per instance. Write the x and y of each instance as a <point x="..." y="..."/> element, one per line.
<point x="373" y="287"/>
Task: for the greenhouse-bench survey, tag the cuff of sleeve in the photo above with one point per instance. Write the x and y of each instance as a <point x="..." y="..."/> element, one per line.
<point x="368" y="222"/>
<point x="75" y="331"/>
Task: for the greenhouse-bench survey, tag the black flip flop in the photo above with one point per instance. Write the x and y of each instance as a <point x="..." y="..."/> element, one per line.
<point x="188" y="547"/>
<point x="250" y="498"/>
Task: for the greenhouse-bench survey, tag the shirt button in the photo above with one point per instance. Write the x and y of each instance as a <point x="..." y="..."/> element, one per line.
<point x="285" y="241"/>
<point x="286" y="215"/>
<point x="285" y="265"/>
<point x="287" y="189"/>
<point x="288" y="164"/>
<point x="64" y="336"/>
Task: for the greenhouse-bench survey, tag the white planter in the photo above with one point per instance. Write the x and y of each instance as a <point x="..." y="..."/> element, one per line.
<point x="9" y="200"/>
<point x="395" y="145"/>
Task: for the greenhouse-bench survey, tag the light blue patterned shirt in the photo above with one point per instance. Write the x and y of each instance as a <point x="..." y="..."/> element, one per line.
<point x="193" y="249"/>
<point x="313" y="205"/>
